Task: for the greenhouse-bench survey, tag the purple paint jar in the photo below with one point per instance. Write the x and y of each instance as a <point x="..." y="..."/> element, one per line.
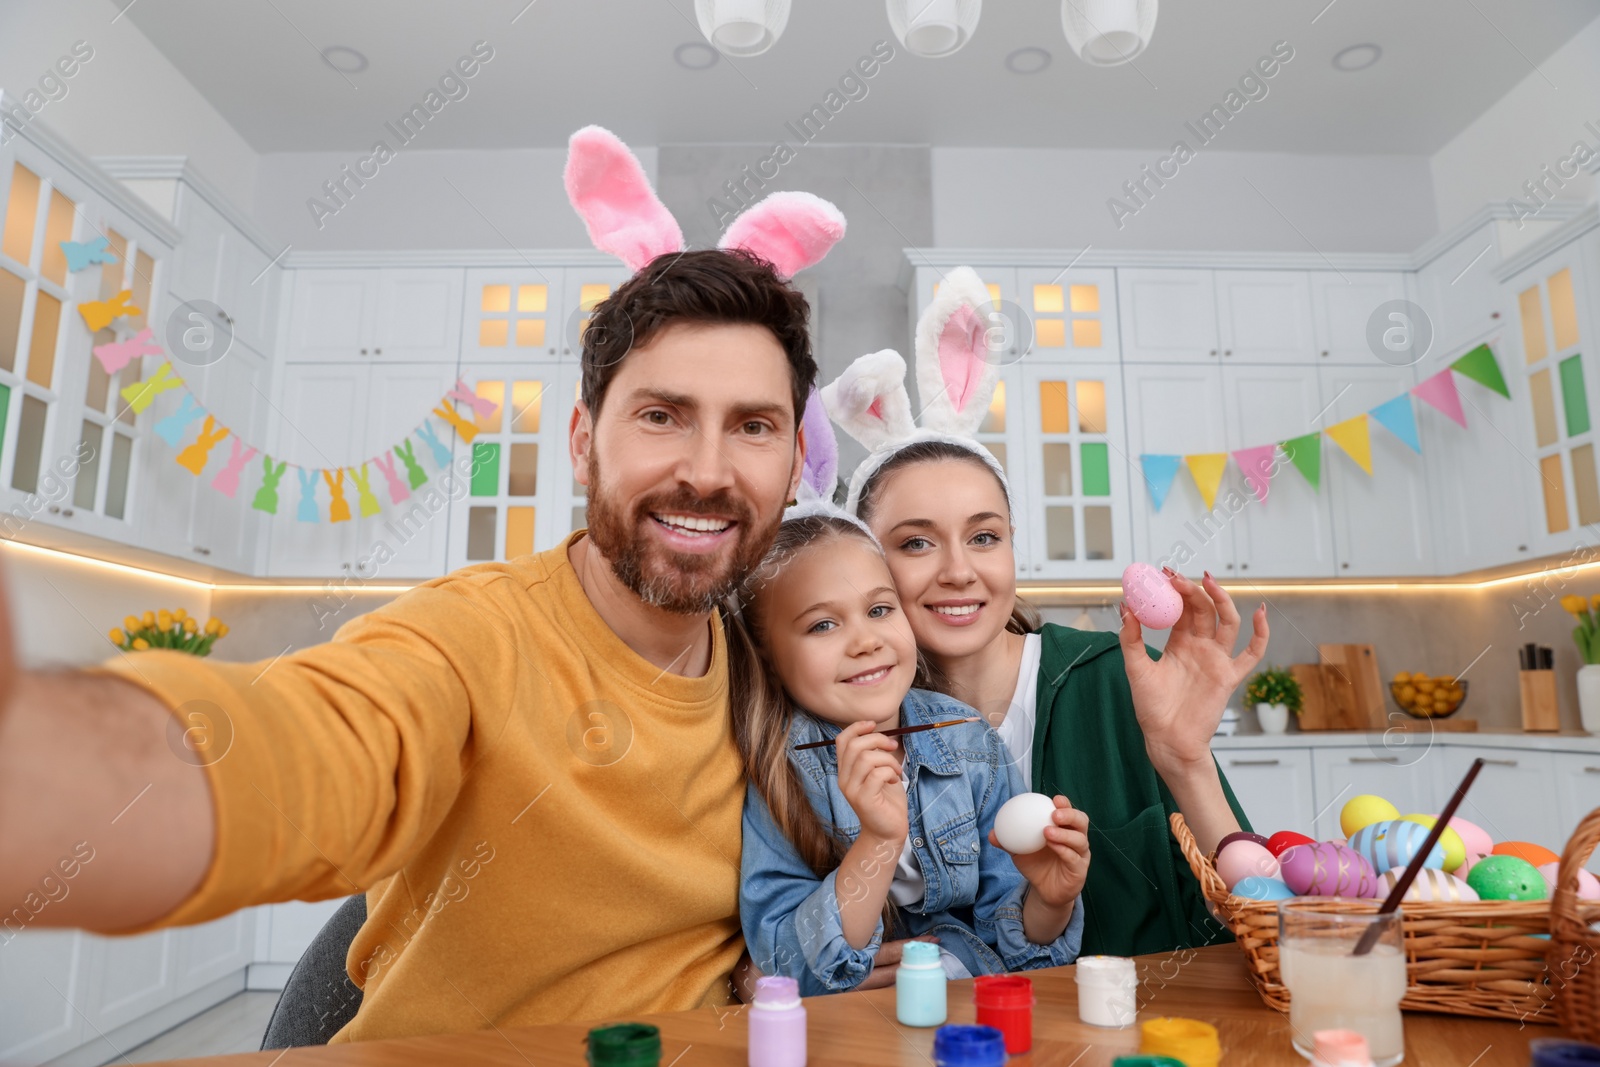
<point x="777" y="1024"/>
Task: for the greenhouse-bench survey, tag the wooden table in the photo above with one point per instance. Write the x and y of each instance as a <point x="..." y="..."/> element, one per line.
<point x="859" y="1028"/>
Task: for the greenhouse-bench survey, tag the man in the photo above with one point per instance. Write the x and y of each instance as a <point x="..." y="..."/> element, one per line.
<point x="528" y="766"/>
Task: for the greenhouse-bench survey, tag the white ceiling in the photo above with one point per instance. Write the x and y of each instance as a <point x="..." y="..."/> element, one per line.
<point x="564" y="63"/>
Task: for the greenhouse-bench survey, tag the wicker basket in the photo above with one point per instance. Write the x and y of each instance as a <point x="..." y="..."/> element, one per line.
<point x="1486" y="959"/>
<point x="1574" y="948"/>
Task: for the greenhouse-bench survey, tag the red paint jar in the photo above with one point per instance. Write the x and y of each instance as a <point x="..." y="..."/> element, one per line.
<point x="1005" y="1002"/>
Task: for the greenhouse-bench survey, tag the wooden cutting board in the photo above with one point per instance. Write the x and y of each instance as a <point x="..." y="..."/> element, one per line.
<point x="1343" y="691"/>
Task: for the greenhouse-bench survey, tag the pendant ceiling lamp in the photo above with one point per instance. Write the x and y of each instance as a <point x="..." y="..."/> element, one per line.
<point x="742" y="27"/>
<point x="934" y="28"/>
<point x="1107" y="33"/>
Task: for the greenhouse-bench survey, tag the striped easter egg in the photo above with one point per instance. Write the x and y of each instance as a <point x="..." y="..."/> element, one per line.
<point x="1392" y="843"/>
<point x="1430" y="884"/>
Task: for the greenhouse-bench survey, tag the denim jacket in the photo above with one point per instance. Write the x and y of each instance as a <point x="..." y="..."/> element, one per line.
<point x="958" y="778"/>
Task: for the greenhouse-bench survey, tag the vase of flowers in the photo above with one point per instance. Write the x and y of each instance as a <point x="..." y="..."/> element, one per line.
<point x="1586" y="635"/>
<point x="177" y="630"/>
<point x="1274" y="693"/>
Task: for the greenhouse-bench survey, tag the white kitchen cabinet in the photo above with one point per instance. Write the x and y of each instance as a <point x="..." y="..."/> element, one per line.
<point x="1167" y="316"/>
<point x="1402" y="775"/>
<point x="387" y="314"/>
<point x="1004" y="433"/>
<point x="128" y="977"/>
<point x="1342" y="304"/>
<point x="1074" y="314"/>
<point x="531" y="313"/>
<point x="212" y="950"/>
<point x="1557" y="373"/>
<point x="1264" y="316"/>
<point x="1076" y="471"/>
<point x="1458" y="291"/>
<point x="293" y="926"/>
<point x="1578" y="785"/>
<point x="42" y="979"/>
<point x="337" y="415"/>
<point x="1172" y="409"/>
<point x="1291" y="534"/>
<point x="1273" y="786"/>
<point x="1381" y="521"/>
<point x="1515" y="797"/>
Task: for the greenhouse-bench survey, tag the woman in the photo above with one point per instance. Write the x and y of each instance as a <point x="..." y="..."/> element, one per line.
<point x="1122" y="733"/>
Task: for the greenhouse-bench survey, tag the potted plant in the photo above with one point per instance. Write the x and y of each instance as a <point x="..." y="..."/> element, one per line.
<point x="1586" y="635"/>
<point x="1274" y="693"/>
<point x="168" y="629"/>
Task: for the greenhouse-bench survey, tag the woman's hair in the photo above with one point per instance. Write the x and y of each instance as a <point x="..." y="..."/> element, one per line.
<point x="1025" y="618"/>
<point x="762" y="711"/>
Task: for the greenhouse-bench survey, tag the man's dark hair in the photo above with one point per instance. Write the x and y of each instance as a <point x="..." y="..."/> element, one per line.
<point x="708" y="286"/>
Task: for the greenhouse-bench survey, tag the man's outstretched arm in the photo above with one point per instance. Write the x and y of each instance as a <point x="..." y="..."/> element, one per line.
<point x="84" y="758"/>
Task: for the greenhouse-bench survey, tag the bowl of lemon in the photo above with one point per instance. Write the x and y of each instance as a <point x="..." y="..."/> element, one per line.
<point x="1426" y="696"/>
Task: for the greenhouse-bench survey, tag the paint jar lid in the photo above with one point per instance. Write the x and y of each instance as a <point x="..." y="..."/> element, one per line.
<point x="776" y="993"/>
<point x="920" y="954"/>
<point x="1559" y="1052"/>
<point x="968" y="1046"/>
<point x="1003" y="991"/>
<point x="1146" y="1061"/>
<point x="625" y="1045"/>
<point x="1105" y="970"/>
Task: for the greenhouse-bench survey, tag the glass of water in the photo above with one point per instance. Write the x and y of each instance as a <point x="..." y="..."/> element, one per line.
<point x="1330" y="989"/>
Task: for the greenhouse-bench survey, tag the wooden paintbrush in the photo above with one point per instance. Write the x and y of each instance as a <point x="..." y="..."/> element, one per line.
<point x="896" y="732"/>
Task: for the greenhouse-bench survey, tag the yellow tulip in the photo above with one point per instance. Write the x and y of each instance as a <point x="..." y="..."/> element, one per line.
<point x="116" y="636"/>
<point x="1573" y="604"/>
<point x="148" y="618"/>
<point x="1594" y="602"/>
<point x="223" y="630"/>
<point x="189" y="626"/>
<point x="164" y="617"/>
<point x="180" y="614"/>
<point x="131" y="622"/>
<point x="140" y="644"/>
<point x="212" y="626"/>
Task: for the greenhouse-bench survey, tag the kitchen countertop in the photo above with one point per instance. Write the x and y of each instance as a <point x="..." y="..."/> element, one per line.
<point x="1413" y="737"/>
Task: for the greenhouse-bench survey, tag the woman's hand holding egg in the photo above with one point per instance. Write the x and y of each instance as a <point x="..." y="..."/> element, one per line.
<point x="869" y="778"/>
<point x="1059" y="867"/>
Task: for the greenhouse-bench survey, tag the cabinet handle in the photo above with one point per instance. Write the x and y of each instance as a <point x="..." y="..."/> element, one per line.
<point x="1494" y="314"/>
<point x="1227" y="351"/>
<point x="1324" y="353"/>
<point x="1038" y="566"/>
<point x="54" y="509"/>
<point x="1522" y="548"/>
<point x="1213" y="351"/>
<point x="1244" y="566"/>
<point x="1502" y="762"/>
<point x="377" y="351"/>
<point x="1230" y="566"/>
<point x="363" y="351"/>
<point x="1253" y="763"/>
<point x="1373" y="759"/>
<point x="67" y="512"/>
<point x="1346" y="566"/>
<point x="1591" y="770"/>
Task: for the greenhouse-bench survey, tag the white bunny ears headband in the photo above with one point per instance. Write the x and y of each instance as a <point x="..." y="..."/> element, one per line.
<point x="956" y="375"/>
<point x="610" y="192"/>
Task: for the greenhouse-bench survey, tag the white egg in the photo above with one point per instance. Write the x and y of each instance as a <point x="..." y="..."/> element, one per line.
<point x="1020" y="823"/>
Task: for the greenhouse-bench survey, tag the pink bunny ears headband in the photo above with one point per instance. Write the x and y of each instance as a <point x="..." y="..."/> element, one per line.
<point x="956" y="375"/>
<point x="610" y="192"/>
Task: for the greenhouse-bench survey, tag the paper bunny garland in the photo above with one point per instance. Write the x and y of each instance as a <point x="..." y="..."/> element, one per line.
<point x="956" y="376"/>
<point x="610" y="192"/>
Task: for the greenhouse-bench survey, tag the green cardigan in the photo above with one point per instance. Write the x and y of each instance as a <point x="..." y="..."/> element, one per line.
<point x="1140" y="896"/>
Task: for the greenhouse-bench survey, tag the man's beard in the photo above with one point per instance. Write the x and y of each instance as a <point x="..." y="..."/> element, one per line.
<point x="679" y="582"/>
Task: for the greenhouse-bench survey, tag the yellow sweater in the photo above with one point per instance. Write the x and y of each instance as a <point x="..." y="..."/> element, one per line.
<point x="547" y="825"/>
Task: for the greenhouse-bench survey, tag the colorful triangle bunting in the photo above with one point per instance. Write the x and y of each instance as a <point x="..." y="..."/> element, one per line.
<point x="1206" y="468"/>
<point x="1256" y="463"/>
<point x="1355" y="437"/>
<point x="1305" y="452"/>
<point x="1481" y="366"/>
<point x="1440" y="391"/>
<point x="1398" y="417"/>
<point x="1159" y="472"/>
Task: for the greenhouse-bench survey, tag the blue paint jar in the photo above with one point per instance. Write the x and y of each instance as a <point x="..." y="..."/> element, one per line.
<point x="919" y="993"/>
<point x="969" y="1046"/>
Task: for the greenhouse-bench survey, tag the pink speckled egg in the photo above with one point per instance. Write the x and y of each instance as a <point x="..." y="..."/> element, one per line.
<point x="1241" y="859"/>
<point x="1477" y="840"/>
<point x="1327" y="869"/>
<point x="1430" y="884"/>
<point x="1150" y="596"/>
<point x="1462" y="871"/>
<point x="1588" y="884"/>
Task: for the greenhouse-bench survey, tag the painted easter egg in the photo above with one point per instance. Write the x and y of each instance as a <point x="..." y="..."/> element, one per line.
<point x="1588" y="884"/>
<point x="1475" y="838"/>
<point x="1256" y="887"/>
<point x="1467" y="864"/>
<point x="1506" y="878"/>
<point x="1150" y="596"/>
<point x="1241" y="835"/>
<point x="1535" y="855"/>
<point x="1429" y="884"/>
<point x="1327" y="869"/>
<point x="1455" y="850"/>
<point x="1020" y="823"/>
<point x="1392" y="843"/>
<point x="1239" y="860"/>
<point x="1365" y="810"/>
<point x="1284" y="840"/>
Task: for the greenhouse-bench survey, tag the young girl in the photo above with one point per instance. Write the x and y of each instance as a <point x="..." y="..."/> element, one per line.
<point x="870" y="837"/>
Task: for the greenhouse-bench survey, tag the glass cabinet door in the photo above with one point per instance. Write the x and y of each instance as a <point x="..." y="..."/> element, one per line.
<point x="512" y="314"/>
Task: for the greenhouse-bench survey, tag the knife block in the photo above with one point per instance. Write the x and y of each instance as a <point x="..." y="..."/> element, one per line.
<point x="1539" y="709"/>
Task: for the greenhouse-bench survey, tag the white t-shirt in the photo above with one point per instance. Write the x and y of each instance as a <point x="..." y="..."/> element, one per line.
<point x="1016" y="729"/>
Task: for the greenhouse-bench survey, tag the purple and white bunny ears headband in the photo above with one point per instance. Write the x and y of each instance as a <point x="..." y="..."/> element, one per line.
<point x="956" y="375"/>
<point x="610" y="192"/>
<point x="821" y="470"/>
